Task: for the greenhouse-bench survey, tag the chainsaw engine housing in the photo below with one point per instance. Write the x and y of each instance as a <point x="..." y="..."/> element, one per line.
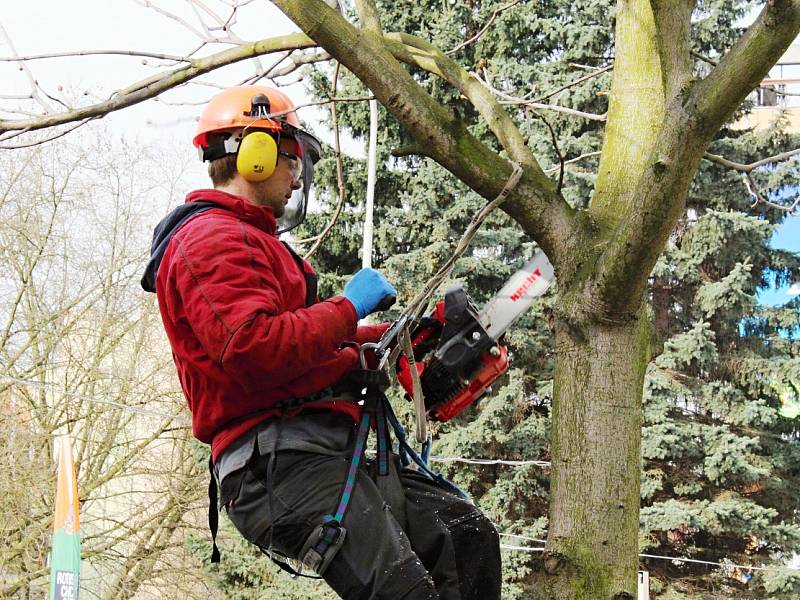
<point x="464" y="363"/>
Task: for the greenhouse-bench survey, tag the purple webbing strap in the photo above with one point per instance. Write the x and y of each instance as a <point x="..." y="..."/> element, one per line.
<point x="358" y="452"/>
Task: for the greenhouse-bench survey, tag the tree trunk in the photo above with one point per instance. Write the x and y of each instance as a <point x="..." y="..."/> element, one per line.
<point x="597" y="419"/>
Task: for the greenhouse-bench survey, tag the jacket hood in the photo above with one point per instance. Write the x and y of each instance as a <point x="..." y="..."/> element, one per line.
<point x="198" y="202"/>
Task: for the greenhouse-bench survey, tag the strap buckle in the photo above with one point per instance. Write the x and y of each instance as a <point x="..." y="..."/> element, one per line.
<point x="321" y="547"/>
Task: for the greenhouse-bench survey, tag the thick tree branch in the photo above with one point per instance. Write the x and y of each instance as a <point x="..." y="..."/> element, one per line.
<point x="534" y="204"/>
<point x="368" y="15"/>
<point x="153" y="86"/>
<point x="635" y="111"/>
<point x="416" y="51"/>
<point x="741" y="70"/>
<point x="673" y="29"/>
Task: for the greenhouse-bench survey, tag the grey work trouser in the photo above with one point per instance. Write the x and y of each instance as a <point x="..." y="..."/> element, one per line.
<point x="446" y="548"/>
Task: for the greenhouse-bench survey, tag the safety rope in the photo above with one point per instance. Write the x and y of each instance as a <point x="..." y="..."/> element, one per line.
<point x="417" y="306"/>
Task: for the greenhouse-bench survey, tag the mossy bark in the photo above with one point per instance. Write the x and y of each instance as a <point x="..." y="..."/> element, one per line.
<point x="597" y="416"/>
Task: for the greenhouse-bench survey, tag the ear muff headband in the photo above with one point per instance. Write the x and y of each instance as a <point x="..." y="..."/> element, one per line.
<point x="257" y="156"/>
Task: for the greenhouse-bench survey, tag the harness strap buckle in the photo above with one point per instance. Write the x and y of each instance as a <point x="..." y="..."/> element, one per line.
<point x="321" y="547"/>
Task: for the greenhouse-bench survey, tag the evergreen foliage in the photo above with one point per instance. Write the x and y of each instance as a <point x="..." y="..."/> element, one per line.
<point x="721" y="461"/>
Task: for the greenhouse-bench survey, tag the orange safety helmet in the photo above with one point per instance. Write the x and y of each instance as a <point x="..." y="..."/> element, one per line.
<point x="234" y="109"/>
<point x="249" y="121"/>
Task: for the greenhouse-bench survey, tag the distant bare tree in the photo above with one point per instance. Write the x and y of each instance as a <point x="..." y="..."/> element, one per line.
<point x="82" y="351"/>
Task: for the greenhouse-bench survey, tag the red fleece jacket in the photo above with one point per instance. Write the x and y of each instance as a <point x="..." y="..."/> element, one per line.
<point x="232" y="299"/>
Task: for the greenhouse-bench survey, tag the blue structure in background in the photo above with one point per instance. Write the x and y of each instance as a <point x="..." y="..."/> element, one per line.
<point x="786" y="237"/>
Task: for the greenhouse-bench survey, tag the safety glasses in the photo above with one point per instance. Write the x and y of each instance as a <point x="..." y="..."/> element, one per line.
<point x="295" y="164"/>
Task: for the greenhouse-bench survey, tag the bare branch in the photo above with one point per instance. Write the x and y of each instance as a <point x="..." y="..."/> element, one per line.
<point x="221" y="24"/>
<point x="30" y="144"/>
<point x="759" y="198"/>
<point x="173" y="57"/>
<point x="574" y="160"/>
<point x="474" y="38"/>
<point x="747" y="168"/>
<point x="203" y="36"/>
<point x="24" y="68"/>
<point x="556" y="108"/>
<point x="299" y="61"/>
<point x="513" y="101"/>
<point x="592" y="75"/>
<point x="153" y="86"/>
<point x="556" y="147"/>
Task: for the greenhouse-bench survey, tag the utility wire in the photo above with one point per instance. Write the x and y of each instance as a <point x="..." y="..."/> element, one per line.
<point x="726" y="564"/>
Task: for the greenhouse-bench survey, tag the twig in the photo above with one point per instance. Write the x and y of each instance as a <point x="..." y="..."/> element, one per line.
<point x="759" y="198"/>
<point x="573" y="83"/>
<point x="554" y="138"/>
<point x="209" y="12"/>
<point x="299" y="61"/>
<point x="24" y="68"/>
<point x="4" y="137"/>
<point x="516" y="101"/>
<point x="556" y="108"/>
<point x="180" y="20"/>
<point x="339" y="170"/>
<point x="575" y="65"/>
<point x="574" y="160"/>
<point x="475" y="37"/>
<point x="49" y="139"/>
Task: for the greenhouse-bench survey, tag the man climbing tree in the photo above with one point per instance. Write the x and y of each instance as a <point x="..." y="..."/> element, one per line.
<point x="272" y="380"/>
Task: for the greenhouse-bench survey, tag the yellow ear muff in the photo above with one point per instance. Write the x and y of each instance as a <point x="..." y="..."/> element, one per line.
<point x="257" y="157"/>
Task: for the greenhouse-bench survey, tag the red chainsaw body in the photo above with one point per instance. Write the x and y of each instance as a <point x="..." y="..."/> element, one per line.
<point x="472" y="383"/>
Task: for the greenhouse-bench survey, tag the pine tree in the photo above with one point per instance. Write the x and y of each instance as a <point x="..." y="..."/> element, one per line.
<point x="721" y="460"/>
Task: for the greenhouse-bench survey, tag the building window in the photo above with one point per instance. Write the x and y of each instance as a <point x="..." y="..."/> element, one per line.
<point x="769" y="95"/>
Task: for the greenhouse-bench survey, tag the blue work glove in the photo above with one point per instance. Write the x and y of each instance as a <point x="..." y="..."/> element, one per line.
<point x="369" y="291"/>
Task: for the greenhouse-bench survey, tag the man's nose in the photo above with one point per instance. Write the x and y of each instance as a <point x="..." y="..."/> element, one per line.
<point x="296" y="184"/>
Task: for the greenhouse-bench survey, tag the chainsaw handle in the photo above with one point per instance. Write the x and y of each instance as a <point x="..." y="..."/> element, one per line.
<point x="386" y="303"/>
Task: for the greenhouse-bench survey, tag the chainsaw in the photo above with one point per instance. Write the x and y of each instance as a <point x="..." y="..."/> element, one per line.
<point x="457" y="351"/>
